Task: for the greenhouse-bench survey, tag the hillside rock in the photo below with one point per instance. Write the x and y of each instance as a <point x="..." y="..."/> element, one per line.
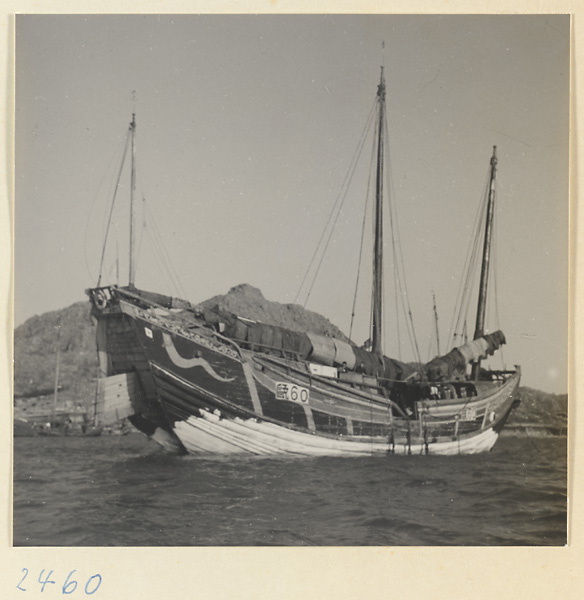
<point x="35" y="358"/>
<point x="540" y="407"/>
<point x="247" y="301"/>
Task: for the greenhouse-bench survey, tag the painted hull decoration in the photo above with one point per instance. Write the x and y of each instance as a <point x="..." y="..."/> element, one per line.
<point x="209" y="381"/>
<point x="186" y="363"/>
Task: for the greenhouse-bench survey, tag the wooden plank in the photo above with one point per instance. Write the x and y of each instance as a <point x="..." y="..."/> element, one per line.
<point x="115" y="396"/>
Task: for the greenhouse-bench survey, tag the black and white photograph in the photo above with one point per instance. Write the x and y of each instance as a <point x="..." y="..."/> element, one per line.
<point x="290" y="280"/>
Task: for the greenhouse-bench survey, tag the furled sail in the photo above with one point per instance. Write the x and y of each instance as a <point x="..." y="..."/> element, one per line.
<point x="445" y="367"/>
<point x="309" y="346"/>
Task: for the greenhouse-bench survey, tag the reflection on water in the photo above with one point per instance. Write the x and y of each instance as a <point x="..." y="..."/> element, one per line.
<point x="122" y="491"/>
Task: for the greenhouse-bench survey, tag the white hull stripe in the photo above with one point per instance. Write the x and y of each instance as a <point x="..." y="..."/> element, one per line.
<point x="212" y="434"/>
<point x="309" y="417"/>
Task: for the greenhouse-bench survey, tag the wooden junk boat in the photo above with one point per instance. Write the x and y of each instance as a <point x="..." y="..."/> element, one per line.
<point x="202" y="381"/>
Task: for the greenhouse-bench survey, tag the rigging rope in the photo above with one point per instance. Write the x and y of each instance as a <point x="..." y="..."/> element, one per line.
<point x="93" y="202"/>
<point x="466" y="284"/>
<point x="399" y="267"/>
<point x="141" y="232"/>
<point x="362" y="239"/>
<point x="495" y="284"/>
<point x="337" y="206"/>
<point x="112" y="206"/>
<point x="117" y="259"/>
<point x="161" y="254"/>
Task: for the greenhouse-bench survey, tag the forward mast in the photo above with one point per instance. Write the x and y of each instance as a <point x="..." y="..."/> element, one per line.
<point x="132" y="266"/>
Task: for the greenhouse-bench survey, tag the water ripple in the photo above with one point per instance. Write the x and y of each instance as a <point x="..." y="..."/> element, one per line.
<point x="124" y="491"/>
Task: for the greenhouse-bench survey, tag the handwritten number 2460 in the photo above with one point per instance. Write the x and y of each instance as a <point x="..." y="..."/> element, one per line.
<point x="69" y="586"/>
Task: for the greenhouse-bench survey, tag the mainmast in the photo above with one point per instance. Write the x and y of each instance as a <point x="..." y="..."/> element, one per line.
<point x="482" y="303"/>
<point x="377" y="327"/>
<point x="132" y="190"/>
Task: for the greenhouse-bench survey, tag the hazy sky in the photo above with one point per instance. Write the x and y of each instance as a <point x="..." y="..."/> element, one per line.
<point x="246" y="127"/>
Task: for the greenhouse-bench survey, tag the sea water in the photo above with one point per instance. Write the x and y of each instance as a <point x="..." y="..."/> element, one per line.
<point x="124" y="491"/>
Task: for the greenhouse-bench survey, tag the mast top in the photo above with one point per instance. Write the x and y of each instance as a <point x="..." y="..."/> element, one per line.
<point x="494" y="157"/>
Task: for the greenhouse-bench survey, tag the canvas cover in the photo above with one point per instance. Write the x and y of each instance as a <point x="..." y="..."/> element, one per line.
<point x="367" y="363"/>
<point x="323" y="349"/>
<point x="344" y="354"/>
<point x="260" y="336"/>
<point x="320" y="349"/>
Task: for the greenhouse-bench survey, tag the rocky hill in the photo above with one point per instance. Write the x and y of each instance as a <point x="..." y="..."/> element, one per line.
<point x="72" y="331"/>
<point x="547" y="410"/>
<point x="249" y="302"/>
<point x="35" y="357"/>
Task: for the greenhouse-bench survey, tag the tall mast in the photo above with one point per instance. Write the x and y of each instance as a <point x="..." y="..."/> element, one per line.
<point x="436" y="324"/>
<point x="132" y="190"/>
<point x="482" y="304"/>
<point x="377" y="327"/>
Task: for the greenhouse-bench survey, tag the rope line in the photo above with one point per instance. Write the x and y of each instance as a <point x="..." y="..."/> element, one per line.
<point x="93" y="203"/>
<point x="466" y="285"/>
<point x="112" y="207"/>
<point x="495" y="272"/>
<point x="336" y="208"/>
<point x="362" y="240"/>
<point x="161" y="253"/>
<point x="399" y="266"/>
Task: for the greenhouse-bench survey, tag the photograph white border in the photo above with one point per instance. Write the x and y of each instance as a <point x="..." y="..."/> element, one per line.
<point x="287" y="573"/>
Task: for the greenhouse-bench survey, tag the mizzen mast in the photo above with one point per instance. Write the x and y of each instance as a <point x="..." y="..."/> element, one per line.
<point x="377" y="326"/>
<point x="482" y="302"/>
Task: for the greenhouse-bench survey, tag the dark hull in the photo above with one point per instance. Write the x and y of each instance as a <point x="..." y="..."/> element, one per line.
<point x="120" y="354"/>
<point x="209" y="395"/>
